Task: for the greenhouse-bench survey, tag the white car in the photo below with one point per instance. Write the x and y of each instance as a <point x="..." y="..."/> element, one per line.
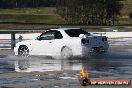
<point x="63" y="42"/>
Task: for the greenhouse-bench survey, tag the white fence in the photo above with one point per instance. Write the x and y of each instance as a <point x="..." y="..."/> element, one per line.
<point x="5" y="39"/>
<point x="115" y="34"/>
<point x="108" y="34"/>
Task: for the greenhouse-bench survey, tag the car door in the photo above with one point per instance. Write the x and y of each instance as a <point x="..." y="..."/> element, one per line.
<point x="43" y="44"/>
<point x="56" y="44"/>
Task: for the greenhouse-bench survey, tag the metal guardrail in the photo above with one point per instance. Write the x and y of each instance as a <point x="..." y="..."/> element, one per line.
<point x="13" y="33"/>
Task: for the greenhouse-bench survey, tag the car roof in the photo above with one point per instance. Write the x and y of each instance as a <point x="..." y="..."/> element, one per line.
<point x="59" y="29"/>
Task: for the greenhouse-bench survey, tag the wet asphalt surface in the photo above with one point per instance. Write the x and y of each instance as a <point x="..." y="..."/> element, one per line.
<point x="114" y="64"/>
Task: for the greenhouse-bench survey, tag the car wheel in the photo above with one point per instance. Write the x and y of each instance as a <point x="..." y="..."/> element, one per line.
<point x="23" y="51"/>
<point x="66" y="53"/>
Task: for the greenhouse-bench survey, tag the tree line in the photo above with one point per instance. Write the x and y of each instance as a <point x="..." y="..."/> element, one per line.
<point x="90" y="12"/>
<point x="86" y="12"/>
<point x="26" y="3"/>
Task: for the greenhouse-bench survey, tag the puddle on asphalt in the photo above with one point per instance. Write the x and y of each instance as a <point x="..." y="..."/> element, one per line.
<point x="58" y="85"/>
<point x="107" y="62"/>
<point x="120" y="41"/>
<point x="111" y="65"/>
<point x="40" y="64"/>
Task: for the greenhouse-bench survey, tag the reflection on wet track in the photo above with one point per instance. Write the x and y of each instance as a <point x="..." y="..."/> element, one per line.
<point x="115" y="64"/>
<point x="110" y="64"/>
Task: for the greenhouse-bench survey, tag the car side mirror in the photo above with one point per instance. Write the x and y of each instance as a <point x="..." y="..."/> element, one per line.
<point x="38" y="38"/>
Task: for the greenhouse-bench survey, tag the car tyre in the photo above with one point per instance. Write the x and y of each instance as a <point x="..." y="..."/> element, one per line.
<point x="66" y="53"/>
<point x="23" y="51"/>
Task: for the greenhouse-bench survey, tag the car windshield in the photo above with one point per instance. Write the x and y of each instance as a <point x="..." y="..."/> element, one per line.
<point x="75" y="32"/>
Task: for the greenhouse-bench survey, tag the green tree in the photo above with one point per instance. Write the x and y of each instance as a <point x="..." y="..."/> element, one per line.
<point x="26" y="3"/>
<point x="95" y="12"/>
<point x="130" y="15"/>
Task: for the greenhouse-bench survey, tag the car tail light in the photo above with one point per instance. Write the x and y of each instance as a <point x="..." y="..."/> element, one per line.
<point x="104" y="39"/>
<point x="87" y="41"/>
<point x="83" y="41"/>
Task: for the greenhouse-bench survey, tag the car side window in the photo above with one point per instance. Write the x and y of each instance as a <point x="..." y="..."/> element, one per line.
<point x="58" y="35"/>
<point x="50" y="35"/>
<point x="76" y="32"/>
